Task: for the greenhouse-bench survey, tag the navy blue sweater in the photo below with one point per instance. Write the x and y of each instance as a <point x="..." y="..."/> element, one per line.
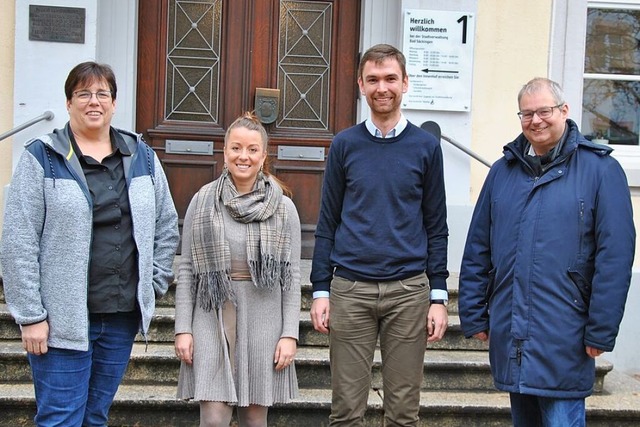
<point x="383" y="213"/>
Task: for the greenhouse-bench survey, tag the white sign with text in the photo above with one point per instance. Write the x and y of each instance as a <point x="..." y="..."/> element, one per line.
<point x="438" y="46"/>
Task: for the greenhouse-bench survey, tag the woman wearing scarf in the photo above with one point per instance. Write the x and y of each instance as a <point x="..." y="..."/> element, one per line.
<point x="238" y="293"/>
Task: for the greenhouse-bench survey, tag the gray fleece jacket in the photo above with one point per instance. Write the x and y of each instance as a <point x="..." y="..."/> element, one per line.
<point x="46" y="238"/>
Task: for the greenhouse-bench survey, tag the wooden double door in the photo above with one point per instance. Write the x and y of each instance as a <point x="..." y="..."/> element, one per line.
<point x="200" y="63"/>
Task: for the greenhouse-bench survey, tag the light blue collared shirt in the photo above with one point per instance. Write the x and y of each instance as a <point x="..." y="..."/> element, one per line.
<point x="397" y="129"/>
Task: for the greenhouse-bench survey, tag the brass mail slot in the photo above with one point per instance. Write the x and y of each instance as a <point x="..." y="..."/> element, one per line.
<point x="173" y="146"/>
<point x="314" y="154"/>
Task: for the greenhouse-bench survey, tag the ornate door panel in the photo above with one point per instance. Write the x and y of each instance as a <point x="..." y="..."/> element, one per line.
<point x="200" y="63"/>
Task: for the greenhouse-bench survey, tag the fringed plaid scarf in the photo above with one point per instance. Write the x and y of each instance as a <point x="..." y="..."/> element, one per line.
<point x="268" y="239"/>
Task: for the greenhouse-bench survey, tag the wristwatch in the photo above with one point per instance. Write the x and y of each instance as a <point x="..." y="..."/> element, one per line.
<point x="439" y="301"/>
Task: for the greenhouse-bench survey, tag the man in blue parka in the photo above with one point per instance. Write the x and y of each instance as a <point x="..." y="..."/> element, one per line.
<point x="547" y="262"/>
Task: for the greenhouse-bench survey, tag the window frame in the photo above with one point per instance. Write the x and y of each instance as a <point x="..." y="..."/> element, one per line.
<point x="567" y="55"/>
<point x="611" y="5"/>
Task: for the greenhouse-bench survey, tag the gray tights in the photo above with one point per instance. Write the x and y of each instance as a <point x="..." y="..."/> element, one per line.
<point x="218" y="414"/>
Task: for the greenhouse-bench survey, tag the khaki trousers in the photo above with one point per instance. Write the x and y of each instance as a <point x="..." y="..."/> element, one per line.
<point x="360" y="312"/>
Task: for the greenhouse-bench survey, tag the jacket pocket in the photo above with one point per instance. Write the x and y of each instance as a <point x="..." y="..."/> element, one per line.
<point x="581" y="278"/>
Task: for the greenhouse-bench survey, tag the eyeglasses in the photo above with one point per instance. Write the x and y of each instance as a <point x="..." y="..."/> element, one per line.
<point x="543" y="113"/>
<point x="84" y="95"/>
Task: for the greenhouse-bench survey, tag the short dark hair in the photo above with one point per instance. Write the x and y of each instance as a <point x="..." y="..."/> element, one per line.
<point x="381" y="52"/>
<point x="86" y="73"/>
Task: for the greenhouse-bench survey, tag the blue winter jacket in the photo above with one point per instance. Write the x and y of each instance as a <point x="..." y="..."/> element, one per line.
<point x="547" y="266"/>
<point x="46" y="239"/>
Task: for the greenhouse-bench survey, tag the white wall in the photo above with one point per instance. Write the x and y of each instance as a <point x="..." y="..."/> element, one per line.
<point x="625" y="354"/>
<point x="117" y="46"/>
<point x="41" y="68"/>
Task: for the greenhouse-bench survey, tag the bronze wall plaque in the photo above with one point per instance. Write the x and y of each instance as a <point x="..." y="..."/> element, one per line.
<point x="56" y="24"/>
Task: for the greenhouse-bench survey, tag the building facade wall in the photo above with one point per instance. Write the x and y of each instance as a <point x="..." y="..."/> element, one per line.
<point x="511" y="48"/>
<point x="7" y="31"/>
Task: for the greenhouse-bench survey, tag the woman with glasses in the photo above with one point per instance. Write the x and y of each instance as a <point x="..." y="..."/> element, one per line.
<point x="89" y="237"/>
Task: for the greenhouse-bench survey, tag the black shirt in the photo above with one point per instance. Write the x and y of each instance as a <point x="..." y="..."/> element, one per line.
<point x="113" y="264"/>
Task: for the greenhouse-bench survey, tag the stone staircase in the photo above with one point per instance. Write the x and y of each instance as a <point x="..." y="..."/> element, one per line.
<point x="457" y="386"/>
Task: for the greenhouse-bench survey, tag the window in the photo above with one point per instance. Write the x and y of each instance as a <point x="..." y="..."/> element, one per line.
<point x="611" y="91"/>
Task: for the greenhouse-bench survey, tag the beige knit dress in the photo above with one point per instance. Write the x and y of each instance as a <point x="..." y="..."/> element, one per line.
<point x="241" y="371"/>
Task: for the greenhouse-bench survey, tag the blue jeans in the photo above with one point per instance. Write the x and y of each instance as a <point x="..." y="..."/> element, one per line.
<point x="537" y="411"/>
<point x="76" y="388"/>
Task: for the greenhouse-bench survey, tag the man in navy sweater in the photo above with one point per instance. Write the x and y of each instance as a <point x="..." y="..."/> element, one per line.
<point x="380" y="258"/>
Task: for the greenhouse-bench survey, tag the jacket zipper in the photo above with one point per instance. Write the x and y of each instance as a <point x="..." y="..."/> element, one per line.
<point x="519" y="353"/>
<point x="580" y="228"/>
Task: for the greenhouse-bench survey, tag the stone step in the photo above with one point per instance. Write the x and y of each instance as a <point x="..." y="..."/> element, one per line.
<point x="443" y="369"/>
<point x="146" y="406"/>
<point x="307" y="294"/>
<point x="162" y="330"/>
<point x="168" y="300"/>
<point x="156" y="406"/>
<point x="457" y="387"/>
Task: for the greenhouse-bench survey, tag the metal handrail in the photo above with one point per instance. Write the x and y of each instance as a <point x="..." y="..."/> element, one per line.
<point x="434" y="129"/>
<point x="47" y="115"/>
<point x="466" y="150"/>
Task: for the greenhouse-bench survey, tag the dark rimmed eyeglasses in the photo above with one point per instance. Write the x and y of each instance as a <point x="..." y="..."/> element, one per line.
<point x="85" y="95"/>
<point x="543" y="113"/>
